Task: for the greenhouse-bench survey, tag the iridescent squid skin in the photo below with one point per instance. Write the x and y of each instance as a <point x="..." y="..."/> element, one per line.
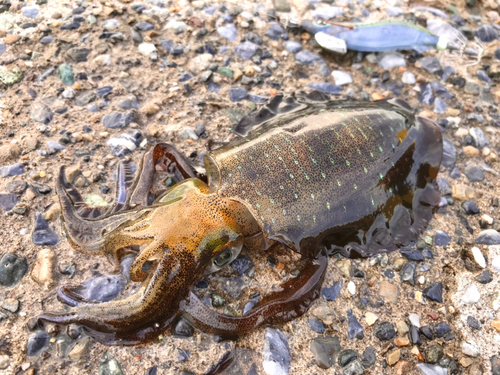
<point x="312" y="175"/>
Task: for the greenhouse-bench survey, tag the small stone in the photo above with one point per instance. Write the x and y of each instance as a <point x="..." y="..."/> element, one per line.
<point x="434" y="292"/>
<point x="385" y="331"/>
<point x="331" y="293"/>
<point x="409" y="78"/>
<point x="431" y="64"/>
<point x="354" y="329"/>
<point x="473" y="323"/>
<point x="146" y="49"/>
<point x="78" y="54"/>
<point x="10" y="304"/>
<point x="102" y="288"/>
<point x="426" y="369"/>
<point x="325" y="350"/>
<point x="292" y="46"/>
<point x="37" y="343"/>
<point x="43" y="272"/>
<point x="341" y="78"/>
<point x="276" y="353"/>
<point x="393" y="357"/>
<point x="485" y="277"/>
<point x="486" y="33"/>
<point x="8" y="201"/>
<point x="441" y="238"/>
<point x="109" y="365"/>
<point x="474" y="173"/>
<point x="344" y="267"/>
<point x="389" y="292"/>
<point x="449" y="154"/>
<point x="42" y="234"/>
<point x="308" y="58"/>
<point x="346" y="357"/>
<point x="496" y="324"/>
<point x="237" y="94"/>
<point x="488" y="237"/>
<point x="12" y="269"/>
<point x="117" y="120"/>
<point x="150" y="108"/>
<point x="433" y="354"/>
<point x="65" y="74"/>
<point x="369" y="357"/>
<point x="370" y="318"/>
<point x="442" y="329"/>
<point x="317" y="326"/>
<point x="354" y="368"/>
<point x="401" y="341"/>
<point x="325" y="87"/>
<point x="470" y="349"/>
<point x="246" y="50"/>
<point x="402" y="328"/>
<point x="390" y="60"/>
<point x="41" y="112"/>
<point x="80" y="349"/>
<point x="478" y="257"/>
<point x="228" y="31"/>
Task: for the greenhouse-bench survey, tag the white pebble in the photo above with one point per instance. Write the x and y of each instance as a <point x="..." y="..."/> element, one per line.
<point x="496" y="263"/>
<point x="414" y="320"/>
<point x="485" y="217"/>
<point x="471" y="295"/>
<point x="478" y="257"/>
<point x="23" y="231"/>
<point x="408" y="78"/>
<point x="341" y="78"/>
<point x="470" y="349"/>
<point x="146" y="49"/>
<point x="421" y="280"/>
<point x="351" y="287"/>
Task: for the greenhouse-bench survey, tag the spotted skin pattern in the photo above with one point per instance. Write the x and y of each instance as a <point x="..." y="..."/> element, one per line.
<point x="316" y="177"/>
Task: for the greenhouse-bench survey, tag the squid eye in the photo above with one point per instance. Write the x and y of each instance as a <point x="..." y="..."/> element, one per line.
<point x="223" y="258"/>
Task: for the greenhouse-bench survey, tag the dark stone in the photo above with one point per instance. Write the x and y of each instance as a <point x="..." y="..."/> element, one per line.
<point x="182" y="355"/>
<point x="412" y="254"/>
<point x="414" y="336"/>
<point x="233" y="286"/>
<point x="474" y="173"/>
<point x="78" y="54"/>
<point x="317" y="326"/>
<point x="442" y="329"/>
<point x="241" y="264"/>
<point x="354" y="330"/>
<point x="486" y="33"/>
<point x="182" y="329"/>
<point x="12" y="269"/>
<point x="407" y="272"/>
<point x="449" y="153"/>
<point x="495" y="365"/>
<point x="470" y="207"/>
<point x="42" y="234"/>
<point x="369" y="357"/>
<point x="102" y="288"/>
<point x="117" y="120"/>
<point x="427" y="332"/>
<point x="473" y="323"/>
<point x="434" y="292"/>
<point x="325" y="350"/>
<point x="237" y="94"/>
<point x="433" y="354"/>
<point x="37" y="343"/>
<point x="331" y="293"/>
<point x="441" y="238"/>
<point x="485" y="277"/>
<point x="426" y="95"/>
<point x="385" y="331"/>
<point x="8" y="201"/>
<point x="346" y="357"/>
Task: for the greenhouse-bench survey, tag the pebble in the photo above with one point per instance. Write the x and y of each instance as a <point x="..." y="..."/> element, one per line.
<point x="354" y="329"/>
<point x="331" y="293"/>
<point x="488" y="237"/>
<point x="325" y="350"/>
<point x="146" y="49"/>
<point x="43" y="272"/>
<point x="442" y="329"/>
<point x="369" y="357"/>
<point x="42" y="234"/>
<point x="473" y="323"/>
<point x="10" y="304"/>
<point x="117" y="120"/>
<point x="407" y="273"/>
<point x="441" y="238"/>
<point x="12" y="269"/>
<point x="317" y="326"/>
<point x="102" y="288"/>
<point x="370" y="318"/>
<point x="385" y="331"/>
<point x="80" y="349"/>
<point x="341" y="78"/>
<point x="37" y="343"/>
<point x="485" y="277"/>
<point x="478" y="257"/>
<point x="8" y="201"/>
<point x="276" y="353"/>
<point x="449" y="154"/>
<point x="393" y="357"/>
<point x="486" y="33"/>
<point x="293" y="47"/>
<point x="41" y="112"/>
<point x="431" y="64"/>
<point x="65" y="74"/>
<point x="414" y="320"/>
<point x="308" y="58"/>
<point x="390" y="60"/>
<point x="354" y="368"/>
<point x="434" y="292"/>
<point x="426" y="369"/>
<point x="470" y="349"/>
<point x="237" y="94"/>
<point x="474" y="173"/>
<point x="326" y="88"/>
<point x="108" y="365"/>
<point x="409" y="78"/>
<point x="228" y="31"/>
<point x="496" y="263"/>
